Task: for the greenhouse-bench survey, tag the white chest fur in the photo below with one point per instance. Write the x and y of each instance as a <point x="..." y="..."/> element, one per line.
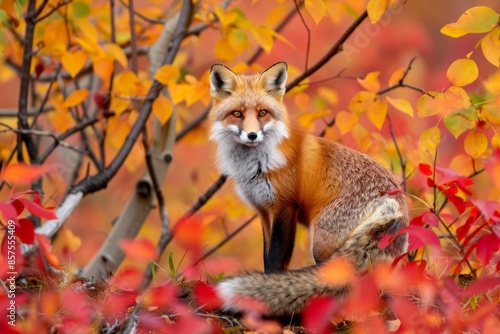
<point x="248" y="166"/>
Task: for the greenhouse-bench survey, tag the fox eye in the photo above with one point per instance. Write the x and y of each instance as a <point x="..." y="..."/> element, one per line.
<point x="262" y="113"/>
<point x="236" y="114"/>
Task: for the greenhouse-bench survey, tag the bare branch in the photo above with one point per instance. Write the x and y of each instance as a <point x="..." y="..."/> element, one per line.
<point x="336" y="48"/>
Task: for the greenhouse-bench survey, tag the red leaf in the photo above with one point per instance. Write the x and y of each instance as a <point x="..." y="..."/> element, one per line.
<point x="395" y="191"/>
<point x="116" y="304"/>
<point x="8" y="211"/>
<point x="161" y="296"/>
<point x="37" y="210"/>
<point x="487" y="245"/>
<point x="418" y="236"/>
<point x="206" y="297"/>
<point x="13" y="245"/>
<point x="430" y="219"/>
<point x="464" y="229"/>
<point x="25" y="231"/>
<point x="385" y="241"/>
<point x="425" y="169"/>
<point x="487" y="208"/>
<point x="483" y="284"/>
<point x="39" y="67"/>
<point x="317" y="315"/>
<point x="127" y="279"/>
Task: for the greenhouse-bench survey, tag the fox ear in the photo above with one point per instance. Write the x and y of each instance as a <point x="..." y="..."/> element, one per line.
<point x="274" y="78"/>
<point x="222" y="81"/>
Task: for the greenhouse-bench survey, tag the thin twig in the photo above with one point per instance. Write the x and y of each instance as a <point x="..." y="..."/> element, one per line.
<point x="402" y="161"/>
<point x="53" y="10"/>
<point x="134" y="66"/>
<point x="32" y="132"/>
<point x="142" y="16"/>
<point x="335" y="49"/>
<point x="45" y="98"/>
<point x="225" y="240"/>
<point x="402" y="83"/>
<point x="308" y="46"/>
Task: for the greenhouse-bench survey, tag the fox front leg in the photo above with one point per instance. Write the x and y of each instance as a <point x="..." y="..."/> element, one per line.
<point x="281" y="239"/>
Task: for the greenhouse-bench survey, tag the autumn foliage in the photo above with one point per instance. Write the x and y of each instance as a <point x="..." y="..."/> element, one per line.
<point x="96" y="104"/>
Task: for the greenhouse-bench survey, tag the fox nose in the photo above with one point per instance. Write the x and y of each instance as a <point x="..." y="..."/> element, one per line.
<point x="252" y="135"/>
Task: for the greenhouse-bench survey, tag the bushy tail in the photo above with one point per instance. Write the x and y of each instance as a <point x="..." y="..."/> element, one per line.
<point x="288" y="292"/>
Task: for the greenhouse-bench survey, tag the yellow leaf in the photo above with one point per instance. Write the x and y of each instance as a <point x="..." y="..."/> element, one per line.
<point x="475" y="143"/>
<point x="307" y="119"/>
<point x="370" y="82"/>
<point x="495" y="141"/>
<point x="223" y="50"/>
<point x="167" y="74"/>
<point x="361" y="101"/>
<point x="478" y="19"/>
<point x="178" y="92"/>
<point x="73" y="62"/>
<point x="88" y="30"/>
<point x="70" y="240"/>
<point x="491" y="113"/>
<point x="162" y="108"/>
<point x="377" y="112"/>
<point x="490" y="45"/>
<point x="462" y="72"/>
<point x="118" y="54"/>
<point x="226" y="18"/>
<point x="329" y="95"/>
<point x="197" y="91"/>
<point x="376" y="9"/>
<point x="396" y="76"/>
<point x="264" y="37"/>
<point x="454" y="98"/>
<point x="346" y="121"/>
<point x="128" y="83"/>
<point x="402" y="105"/>
<point x="238" y="40"/>
<point x="316" y="8"/>
<point x="429" y="140"/>
<point x="75" y="98"/>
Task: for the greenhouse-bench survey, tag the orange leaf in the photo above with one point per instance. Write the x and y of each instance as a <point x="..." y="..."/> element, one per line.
<point x="302" y="100"/>
<point x="167" y="74"/>
<point x="104" y="67"/>
<point x="346" y="121"/>
<point x="46" y="247"/>
<point x="396" y="76"/>
<point x="141" y="249"/>
<point x="307" y="119"/>
<point x="75" y="98"/>
<point x="73" y="62"/>
<point x="21" y="174"/>
<point x="162" y="108"/>
<point x="370" y="82"/>
<point x="337" y="271"/>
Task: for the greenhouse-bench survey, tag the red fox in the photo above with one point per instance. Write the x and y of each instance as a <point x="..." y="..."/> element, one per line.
<point x="291" y="176"/>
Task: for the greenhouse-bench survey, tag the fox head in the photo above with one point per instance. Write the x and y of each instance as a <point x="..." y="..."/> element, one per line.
<point x="248" y="109"/>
